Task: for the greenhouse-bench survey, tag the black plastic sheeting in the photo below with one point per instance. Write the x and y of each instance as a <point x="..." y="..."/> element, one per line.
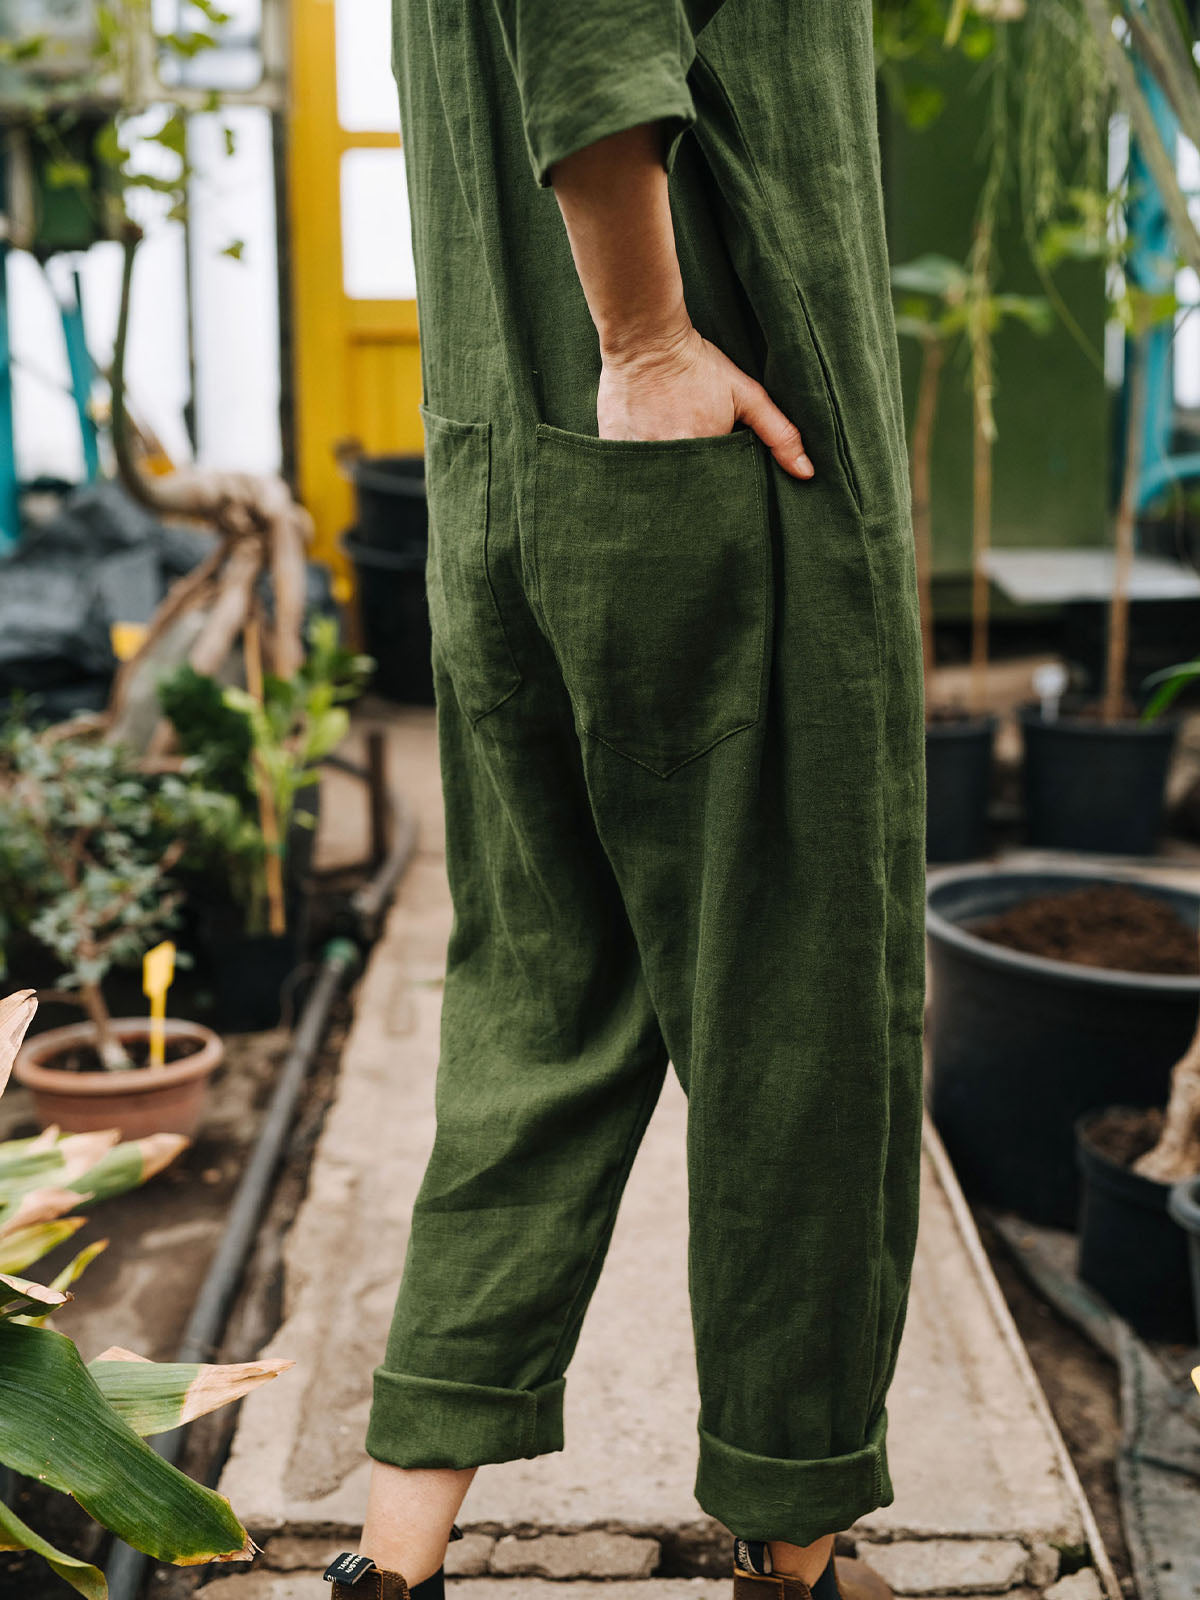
<point x="100" y="558"/>
<point x="1158" y="1461"/>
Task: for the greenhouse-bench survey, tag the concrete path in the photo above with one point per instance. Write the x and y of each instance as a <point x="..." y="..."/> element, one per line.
<point x="986" y="1498"/>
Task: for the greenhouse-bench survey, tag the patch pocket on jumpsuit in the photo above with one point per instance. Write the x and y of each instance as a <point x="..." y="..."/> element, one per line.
<point x="652" y="563"/>
<point x="468" y="632"/>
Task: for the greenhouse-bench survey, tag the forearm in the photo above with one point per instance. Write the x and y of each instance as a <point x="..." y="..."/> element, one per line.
<point x="614" y="201"/>
<point x="659" y="378"/>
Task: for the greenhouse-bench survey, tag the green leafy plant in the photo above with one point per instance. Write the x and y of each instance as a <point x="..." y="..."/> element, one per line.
<point x="77" y="1428"/>
<point x="939" y="302"/>
<point x="87" y="843"/>
<point x="1168" y="685"/>
<point x="271" y="746"/>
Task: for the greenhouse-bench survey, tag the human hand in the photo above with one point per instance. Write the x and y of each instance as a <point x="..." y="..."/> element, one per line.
<point x="686" y="388"/>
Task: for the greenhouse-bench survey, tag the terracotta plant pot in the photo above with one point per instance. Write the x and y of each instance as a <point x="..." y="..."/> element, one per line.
<point x="140" y="1101"/>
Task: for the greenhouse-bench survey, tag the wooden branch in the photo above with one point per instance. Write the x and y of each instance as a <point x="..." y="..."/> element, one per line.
<point x="222" y="626"/>
<point x="228" y="616"/>
<point x="1177" y="1153"/>
<point x="268" y="817"/>
<point x="180" y="597"/>
<point x="287" y="557"/>
<point x="1124" y="533"/>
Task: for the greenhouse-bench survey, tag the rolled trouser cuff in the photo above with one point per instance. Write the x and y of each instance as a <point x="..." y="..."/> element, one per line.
<point x="765" y="1497"/>
<point x="432" y="1422"/>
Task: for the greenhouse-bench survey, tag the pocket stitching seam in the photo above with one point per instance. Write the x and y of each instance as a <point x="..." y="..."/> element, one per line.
<point x="476" y="430"/>
<point x="545" y="435"/>
<point x="833" y="404"/>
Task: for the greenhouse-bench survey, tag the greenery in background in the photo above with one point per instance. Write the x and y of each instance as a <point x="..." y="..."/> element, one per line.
<point x="1168" y="685"/>
<point x="87" y="844"/>
<point x="81" y="1429"/>
<point x="86" y="111"/>
<point x="234" y="741"/>
<point x="938" y="304"/>
<point x="1053" y="85"/>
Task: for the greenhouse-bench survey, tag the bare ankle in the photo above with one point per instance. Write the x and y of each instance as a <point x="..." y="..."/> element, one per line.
<point x="806" y="1562"/>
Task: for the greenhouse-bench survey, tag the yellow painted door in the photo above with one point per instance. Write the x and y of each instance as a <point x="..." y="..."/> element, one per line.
<point x="355" y="361"/>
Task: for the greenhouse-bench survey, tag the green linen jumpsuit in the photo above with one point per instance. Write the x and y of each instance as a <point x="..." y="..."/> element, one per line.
<point x="680" y="718"/>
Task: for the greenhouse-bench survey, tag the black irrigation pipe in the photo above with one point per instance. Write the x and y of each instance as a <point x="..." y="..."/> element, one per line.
<point x="202" y="1336"/>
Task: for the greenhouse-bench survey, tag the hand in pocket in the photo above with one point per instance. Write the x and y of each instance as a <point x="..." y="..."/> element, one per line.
<point x="690" y="390"/>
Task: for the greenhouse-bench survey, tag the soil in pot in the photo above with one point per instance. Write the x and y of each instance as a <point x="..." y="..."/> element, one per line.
<point x="85" y="1058"/>
<point x="71" y="1090"/>
<point x="1104" y="925"/>
<point x="1022" y="1045"/>
<point x="1130" y="1249"/>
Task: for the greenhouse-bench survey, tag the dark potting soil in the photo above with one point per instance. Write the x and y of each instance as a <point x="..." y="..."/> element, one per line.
<point x="1123" y="1134"/>
<point x="86" y="1059"/>
<point x="1100" y="926"/>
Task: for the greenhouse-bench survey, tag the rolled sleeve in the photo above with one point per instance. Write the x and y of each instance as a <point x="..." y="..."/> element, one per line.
<point x="586" y="71"/>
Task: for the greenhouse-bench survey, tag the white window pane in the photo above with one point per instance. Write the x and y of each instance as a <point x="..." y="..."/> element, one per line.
<point x="377" y="261"/>
<point x="366" y="92"/>
<point x="235" y="63"/>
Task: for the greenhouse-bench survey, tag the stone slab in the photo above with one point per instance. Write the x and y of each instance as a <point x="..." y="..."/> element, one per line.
<point x="308" y="1586"/>
<point x="951" y="1566"/>
<point x="1082" y="1585"/>
<point x="594" y="1554"/>
<point x="973" y="1451"/>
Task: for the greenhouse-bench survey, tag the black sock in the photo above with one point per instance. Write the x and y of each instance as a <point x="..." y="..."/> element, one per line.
<point x="826" y="1586"/>
<point x="435" y="1588"/>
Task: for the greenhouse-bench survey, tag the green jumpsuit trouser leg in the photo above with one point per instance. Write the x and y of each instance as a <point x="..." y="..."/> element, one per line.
<point x="680" y="717"/>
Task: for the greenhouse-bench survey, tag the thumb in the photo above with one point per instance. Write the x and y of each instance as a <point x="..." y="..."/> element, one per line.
<point x="758" y="411"/>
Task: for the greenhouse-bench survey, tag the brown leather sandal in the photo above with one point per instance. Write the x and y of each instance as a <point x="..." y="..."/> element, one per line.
<point x="358" y="1578"/>
<point x="754" y="1580"/>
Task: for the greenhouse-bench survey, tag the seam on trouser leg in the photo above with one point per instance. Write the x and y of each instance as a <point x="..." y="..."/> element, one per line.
<point x="765" y="1497"/>
<point x="434" y="1422"/>
<point x="620" y="1177"/>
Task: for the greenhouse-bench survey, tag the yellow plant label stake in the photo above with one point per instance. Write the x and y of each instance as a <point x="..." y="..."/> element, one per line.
<point x="127" y="639"/>
<point x="158" y="973"/>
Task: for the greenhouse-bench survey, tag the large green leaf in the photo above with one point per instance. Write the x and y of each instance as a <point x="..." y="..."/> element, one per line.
<point x="18" y="1297"/>
<point x="61" y="1161"/>
<point x="74" y="1268"/>
<point x="127" y="1166"/>
<point x="83" y="1578"/>
<point x="154" y="1396"/>
<point x="57" y="1427"/>
<point x="22" y="1248"/>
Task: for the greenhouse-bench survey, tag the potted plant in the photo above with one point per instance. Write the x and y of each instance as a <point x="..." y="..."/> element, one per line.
<point x="1095" y="779"/>
<point x="1141" y="1177"/>
<point x="1051" y="994"/>
<point x="81" y="1430"/>
<point x="1095" y="775"/>
<point x="90" y="842"/>
<point x="263" y="746"/>
<point x="941" y="302"/>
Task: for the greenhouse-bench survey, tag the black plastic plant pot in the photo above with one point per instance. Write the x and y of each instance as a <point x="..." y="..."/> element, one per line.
<point x="1022" y="1046"/>
<point x="395" y="620"/>
<point x="1095" y="786"/>
<point x="390" y="507"/>
<point x="958" y="774"/>
<point x="1184" y="1206"/>
<point x="251" y="976"/>
<point x="1130" y="1249"/>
